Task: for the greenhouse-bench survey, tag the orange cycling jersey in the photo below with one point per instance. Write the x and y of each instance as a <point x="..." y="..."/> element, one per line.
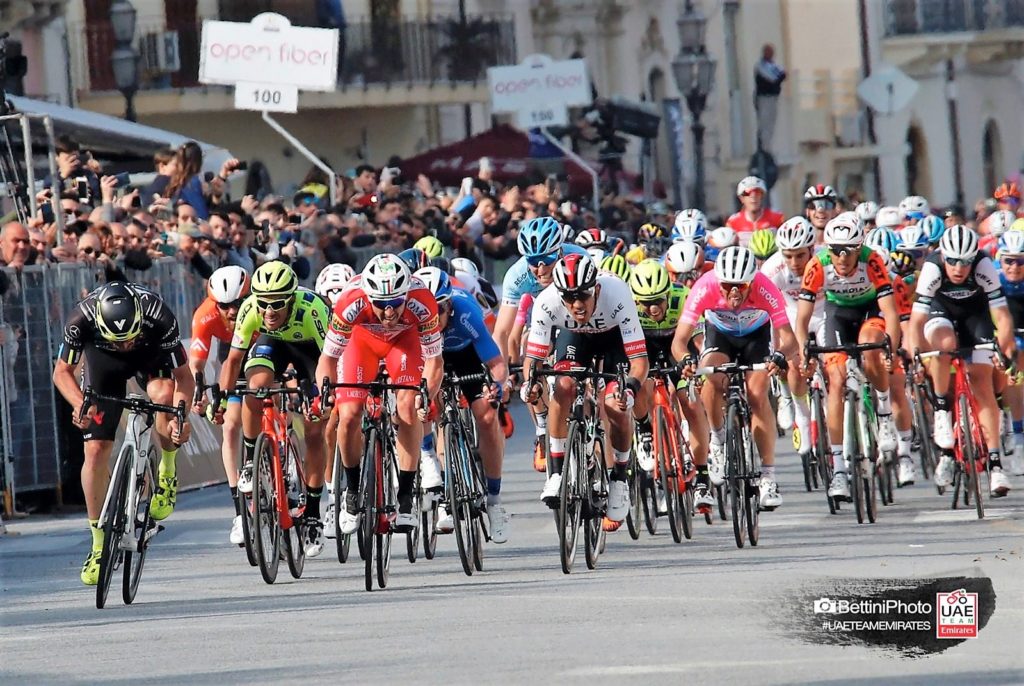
<point x="207" y="324"/>
<point x="904" y="304"/>
<point x="868" y="282"/>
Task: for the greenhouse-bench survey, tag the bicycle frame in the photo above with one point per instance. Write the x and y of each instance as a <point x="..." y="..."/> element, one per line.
<point x="961" y="388"/>
<point x="667" y="401"/>
<point x="274" y="423"/>
<point x="139" y="437"/>
<point x="858" y="416"/>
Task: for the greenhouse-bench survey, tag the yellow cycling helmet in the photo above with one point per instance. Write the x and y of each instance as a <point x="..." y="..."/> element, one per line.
<point x="431" y="246"/>
<point x="651" y="230"/>
<point x="1017" y="225"/>
<point x="762" y="243"/>
<point x="650" y="280"/>
<point x="617" y="265"/>
<point x="274" y="278"/>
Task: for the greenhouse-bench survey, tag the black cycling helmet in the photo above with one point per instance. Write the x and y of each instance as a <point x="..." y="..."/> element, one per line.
<point x="415" y="259"/>
<point x="444" y="264"/>
<point x="118" y="312"/>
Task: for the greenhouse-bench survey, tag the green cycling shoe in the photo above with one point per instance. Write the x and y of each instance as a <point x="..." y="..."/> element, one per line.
<point x="163" y="501"/>
<point x="91" y="569"/>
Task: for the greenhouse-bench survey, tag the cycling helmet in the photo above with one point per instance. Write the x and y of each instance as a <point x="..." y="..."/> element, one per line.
<point x="444" y="264"/>
<point x="820" y="191"/>
<point x="1008" y="191"/>
<point x="464" y="265"/>
<point x="882" y="239"/>
<point x="1011" y="243"/>
<point x="914" y="208"/>
<point x="597" y="253"/>
<point x="735" y="264"/>
<point x="999" y="222"/>
<point x="1017" y="225"/>
<point x="430" y="245"/>
<point x="888" y="216"/>
<point x="795" y="233"/>
<point x="332" y="280"/>
<point x="682" y="258"/>
<point x="912" y="238"/>
<point x="616" y="246"/>
<point x="436" y="281"/>
<point x="540" y="236"/>
<point x="690" y="225"/>
<point x="568" y="233"/>
<point x="592" y="237"/>
<point x="762" y="243"/>
<point x="617" y="265"/>
<point x="118" y="312"/>
<point x="933" y="227"/>
<point x="274" y="278"/>
<point x="844" y="230"/>
<point x="228" y="285"/>
<point x="651" y="230"/>
<point x="959" y="243"/>
<point x="650" y="280"/>
<point x="386" y="277"/>
<point x="750" y="183"/>
<point x="902" y="263"/>
<point x="574" y="273"/>
<point x="723" y="237"/>
<point x="414" y="259"/>
<point x="867" y="211"/>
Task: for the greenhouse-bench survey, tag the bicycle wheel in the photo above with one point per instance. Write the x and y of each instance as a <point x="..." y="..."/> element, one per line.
<point x="597" y="480"/>
<point x="266" y="517"/>
<point x="478" y="507"/>
<point x="735" y="473"/>
<point x="245" y="506"/>
<point x="456" y="473"/>
<point x="752" y="502"/>
<point x="428" y="526"/>
<point x="369" y="505"/>
<point x="822" y="451"/>
<point x="294" y="537"/>
<point x="971" y="455"/>
<point x="635" y="504"/>
<point x="570" y="500"/>
<point x="412" y="538"/>
<point x="141" y="525"/>
<point x="669" y="475"/>
<point x="385" y="533"/>
<point x="808" y="467"/>
<point x="116" y="522"/>
<point x="649" y="494"/>
<point x="342" y="542"/>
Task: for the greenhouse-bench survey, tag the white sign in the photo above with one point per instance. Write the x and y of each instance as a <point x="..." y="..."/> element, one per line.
<point x="269" y="49"/>
<point x="266" y="97"/>
<point x="539" y="90"/>
<point x="888" y="90"/>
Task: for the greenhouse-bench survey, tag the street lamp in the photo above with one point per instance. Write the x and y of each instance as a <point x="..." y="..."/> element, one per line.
<point x="694" y="71"/>
<point x="124" y="59"/>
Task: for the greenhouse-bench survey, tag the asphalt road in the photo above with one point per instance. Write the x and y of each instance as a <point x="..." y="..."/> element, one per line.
<point x="653" y="610"/>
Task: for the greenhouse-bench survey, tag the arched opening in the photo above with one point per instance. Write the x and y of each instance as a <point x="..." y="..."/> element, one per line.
<point x="992" y="156"/>
<point x="662" y="155"/>
<point x="917" y="167"/>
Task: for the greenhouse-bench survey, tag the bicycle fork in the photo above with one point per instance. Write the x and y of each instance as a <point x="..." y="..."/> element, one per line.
<point x="856" y="422"/>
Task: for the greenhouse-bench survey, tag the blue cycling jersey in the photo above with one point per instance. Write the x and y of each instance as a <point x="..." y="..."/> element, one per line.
<point x="1011" y="289"/>
<point x="520" y="281"/>
<point x="466" y="327"/>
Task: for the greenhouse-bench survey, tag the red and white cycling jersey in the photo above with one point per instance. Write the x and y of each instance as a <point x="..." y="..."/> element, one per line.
<point x="615" y="308"/>
<point x="353" y="310"/>
<point x="768" y="219"/>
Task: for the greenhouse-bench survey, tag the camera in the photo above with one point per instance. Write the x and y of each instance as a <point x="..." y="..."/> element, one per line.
<point x="825" y="606"/>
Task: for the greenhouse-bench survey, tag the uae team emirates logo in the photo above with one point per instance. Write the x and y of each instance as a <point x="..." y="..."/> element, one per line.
<point x="956" y="615"/>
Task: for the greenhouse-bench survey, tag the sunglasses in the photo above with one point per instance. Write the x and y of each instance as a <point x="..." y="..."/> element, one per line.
<point x="542" y="260"/>
<point x="651" y="303"/>
<point x="958" y="261"/>
<point x="224" y="307"/>
<point x="821" y="205"/>
<point x="274" y="305"/>
<point x="87" y="250"/>
<point x="1015" y="261"/>
<point x="577" y="296"/>
<point x="747" y="194"/>
<point x="916" y="216"/>
<point x="728" y="287"/>
<point x="393" y="303"/>
<point x="843" y="250"/>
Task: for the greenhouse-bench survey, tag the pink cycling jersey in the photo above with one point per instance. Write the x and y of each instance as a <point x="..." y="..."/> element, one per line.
<point x="523" y="313"/>
<point x="764" y="303"/>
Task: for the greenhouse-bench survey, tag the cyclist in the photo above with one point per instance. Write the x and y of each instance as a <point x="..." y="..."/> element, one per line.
<point x="754" y="215"/>
<point x="958" y="298"/>
<point x="913" y="209"/>
<point x="660" y="305"/>
<point x="1011" y="279"/>
<point x="386" y="315"/>
<point x="597" y="322"/>
<point x="690" y="225"/>
<point x="651" y="231"/>
<point x="888" y="217"/>
<point x="996" y="224"/>
<point x="685" y="262"/>
<point x="475" y="284"/>
<point x="288" y="324"/>
<point x="820" y="203"/>
<point x="740" y="306"/>
<point x="762" y="244"/>
<point x="859" y="308"/>
<point x="593" y="238"/>
<point x="414" y="259"/>
<point x="718" y="240"/>
<point x="867" y="211"/>
<point x="467" y="348"/>
<point x="331" y="281"/>
<point x="617" y="265"/>
<point x="785" y="269"/>
<point x="215" y="318"/>
<point x="122" y="331"/>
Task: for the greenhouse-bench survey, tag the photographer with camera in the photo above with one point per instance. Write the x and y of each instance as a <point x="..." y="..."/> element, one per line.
<point x="74" y="178"/>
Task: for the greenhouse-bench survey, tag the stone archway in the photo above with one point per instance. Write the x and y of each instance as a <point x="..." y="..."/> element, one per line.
<point x="917" y="165"/>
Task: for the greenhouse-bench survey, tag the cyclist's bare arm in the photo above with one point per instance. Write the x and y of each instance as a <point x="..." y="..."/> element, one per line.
<point x="680" y="339"/>
<point x="232" y="365"/>
<point x="638" y="368"/>
<point x="65" y="381"/>
<point x="1004" y="330"/>
<point x="804" y="311"/>
<point x="503" y="327"/>
<point x="433" y="372"/>
<point x="887" y="304"/>
<point x="916" y="331"/>
<point x="788" y="345"/>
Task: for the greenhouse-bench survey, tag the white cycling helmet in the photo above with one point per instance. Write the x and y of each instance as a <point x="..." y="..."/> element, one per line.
<point x="736" y="264"/>
<point x="332" y="281"/>
<point x="750" y="183"/>
<point x="959" y="243"/>
<point x="795" y="233"/>
<point x="723" y="237"/>
<point x="1011" y="243"/>
<point x="690" y="225"/>
<point x="845" y="229"/>
<point x="228" y="285"/>
<point x="386" y="277"/>
<point x="1000" y="221"/>
<point x="914" y="208"/>
<point x="867" y="211"/>
<point x="464" y="265"/>
<point x="592" y="237"/>
<point x="682" y="257"/>
<point x="888" y="217"/>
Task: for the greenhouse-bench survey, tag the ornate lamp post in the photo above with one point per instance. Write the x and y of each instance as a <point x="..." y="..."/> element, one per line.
<point x="694" y="71"/>
<point x="124" y="59"/>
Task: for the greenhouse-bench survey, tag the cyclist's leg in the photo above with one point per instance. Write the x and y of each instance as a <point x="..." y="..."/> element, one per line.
<point x="842" y="325"/>
<point x="756" y="348"/>
<point x="405" y="365"/>
<point x="940" y="335"/>
<point x="161" y="391"/>
<point x="571" y="350"/>
<point x="873" y="331"/>
<point x="263" y="358"/>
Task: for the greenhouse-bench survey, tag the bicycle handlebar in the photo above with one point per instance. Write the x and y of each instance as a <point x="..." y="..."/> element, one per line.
<point x="134" y="404"/>
<point x="731" y="368"/>
<point x="962" y="352"/>
<point x="849" y="348"/>
<point x="374" y="387"/>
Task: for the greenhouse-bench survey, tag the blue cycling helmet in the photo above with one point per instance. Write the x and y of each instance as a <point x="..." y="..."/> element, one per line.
<point x="882" y="239"/>
<point x="690" y="225"/>
<point x="414" y="258"/>
<point x="436" y="281"/>
<point x="933" y="227"/>
<point x="540" y="236"/>
<point x="711" y="253"/>
<point x="913" y="237"/>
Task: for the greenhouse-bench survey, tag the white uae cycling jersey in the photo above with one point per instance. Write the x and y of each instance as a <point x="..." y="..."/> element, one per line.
<point x="789" y="283"/>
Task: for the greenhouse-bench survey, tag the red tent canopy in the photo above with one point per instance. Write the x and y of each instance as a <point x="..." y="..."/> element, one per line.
<point x="508" y="149"/>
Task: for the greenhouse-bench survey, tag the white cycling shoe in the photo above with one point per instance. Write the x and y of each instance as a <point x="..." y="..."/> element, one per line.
<point x="237" y="536"/>
<point x="840" y="486"/>
<point x="785" y="415"/>
<point x="245" y="479"/>
<point x="716" y="464"/>
<point x="943" y="432"/>
<point x="618" y="500"/>
<point x="907" y="473"/>
<point x="943" y="471"/>
<point x="430" y="471"/>
<point x="998" y="482"/>
<point x="888" y="439"/>
<point x="445" y="524"/>
<point x="549" y="496"/>
<point x="769" y="494"/>
<point x="498" y="518"/>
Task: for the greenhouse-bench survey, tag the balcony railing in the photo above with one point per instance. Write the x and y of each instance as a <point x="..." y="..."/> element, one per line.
<point x="406" y="52"/>
<point x="910" y="17"/>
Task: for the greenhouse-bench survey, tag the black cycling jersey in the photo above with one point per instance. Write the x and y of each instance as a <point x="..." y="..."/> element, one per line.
<point x="980" y="292"/>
